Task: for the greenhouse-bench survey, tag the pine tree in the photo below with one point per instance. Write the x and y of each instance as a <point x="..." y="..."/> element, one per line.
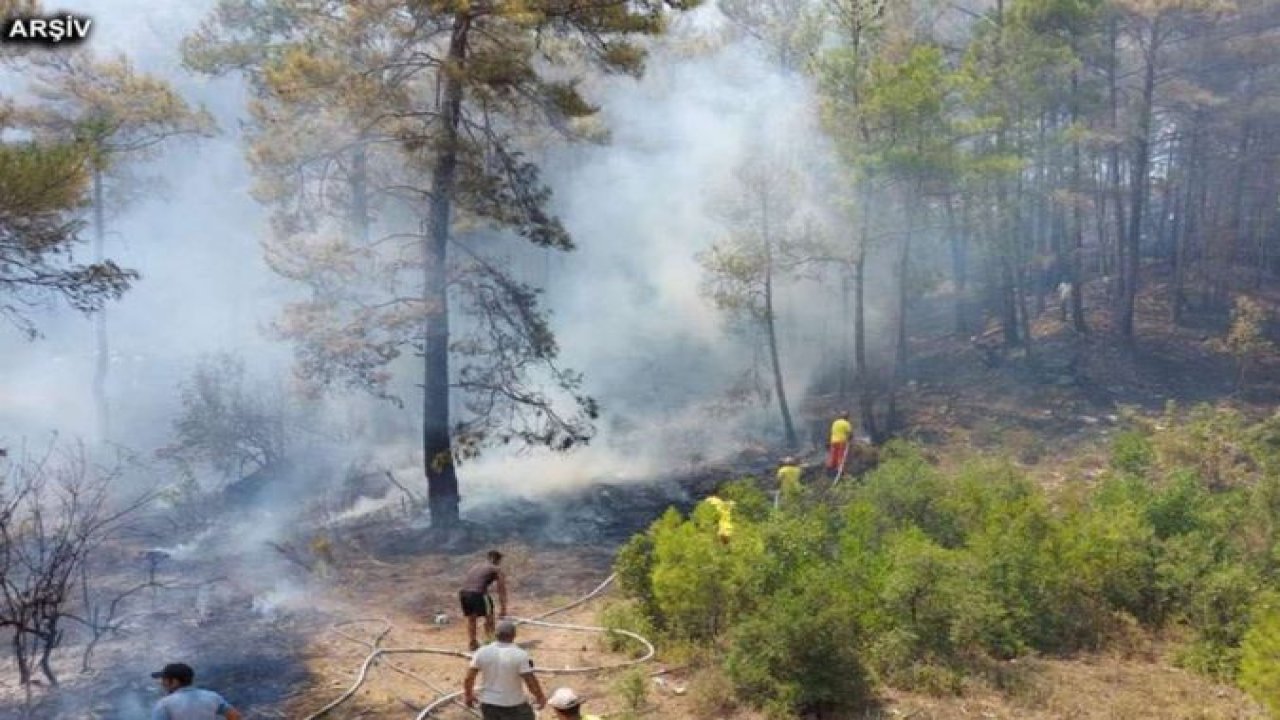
<point x="121" y="116"/>
<point x="460" y="91"/>
<point x="767" y="232"/>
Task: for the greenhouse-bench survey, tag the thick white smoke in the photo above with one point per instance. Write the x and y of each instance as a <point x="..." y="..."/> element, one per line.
<point x="626" y="305"/>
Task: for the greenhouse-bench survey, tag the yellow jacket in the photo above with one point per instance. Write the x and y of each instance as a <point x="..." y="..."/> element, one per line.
<point x="841" y="431"/>
<point x="789" y="478"/>
<point x="725" y="508"/>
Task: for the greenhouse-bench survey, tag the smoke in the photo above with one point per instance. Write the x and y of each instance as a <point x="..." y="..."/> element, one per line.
<point x="628" y="309"/>
<point x="195" y="241"/>
<point x="626" y="304"/>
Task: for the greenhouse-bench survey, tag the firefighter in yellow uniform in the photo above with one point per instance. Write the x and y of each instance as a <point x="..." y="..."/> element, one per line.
<point x="724" y="529"/>
<point x="789" y="473"/>
<point x="841" y="433"/>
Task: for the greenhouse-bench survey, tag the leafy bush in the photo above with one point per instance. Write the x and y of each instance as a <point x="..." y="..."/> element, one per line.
<point x="711" y="693"/>
<point x="1131" y="452"/>
<point x="626" y="615"/>
<point x="1260" y="660"/>
<point x="633" y="687"/>
<point x="916" y="577"/>
<point x="800" y="650"/>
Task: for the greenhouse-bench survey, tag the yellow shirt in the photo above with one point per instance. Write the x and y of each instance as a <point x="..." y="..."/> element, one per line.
<point x="841" y="431"/>
<point x="725" y="508"/>
<point x="789" y="478"/>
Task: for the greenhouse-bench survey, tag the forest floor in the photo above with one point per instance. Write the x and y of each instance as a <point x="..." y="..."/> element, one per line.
<point x="1053" y="416"/>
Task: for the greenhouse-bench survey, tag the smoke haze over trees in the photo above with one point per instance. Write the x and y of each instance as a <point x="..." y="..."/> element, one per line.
<point x="1013" y="154"/>
<point x="488" y="249"/>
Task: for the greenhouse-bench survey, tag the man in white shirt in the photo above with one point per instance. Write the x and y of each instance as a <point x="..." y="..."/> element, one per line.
<point x="507" y="671"/>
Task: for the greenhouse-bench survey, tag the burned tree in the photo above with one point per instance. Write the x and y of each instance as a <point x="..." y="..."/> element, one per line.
<point x="226" y="423"/>
<point x="436" y="105"/>
<point x="56" y="511"/>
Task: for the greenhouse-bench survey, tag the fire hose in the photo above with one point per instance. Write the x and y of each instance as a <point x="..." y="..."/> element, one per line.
<point x="378" y="652"/>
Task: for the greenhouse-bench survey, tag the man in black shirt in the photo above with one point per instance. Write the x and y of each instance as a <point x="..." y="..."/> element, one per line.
<point x="475" y="599"/>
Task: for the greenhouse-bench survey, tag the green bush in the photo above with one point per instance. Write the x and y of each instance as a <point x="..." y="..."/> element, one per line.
<point x="711" y="693"/>
<point x="1260" y="659"/>
<point x="626" y="615"/>
<point x="1131" y="452"/>
<point x="916" y="577"/>
<point x="633" y="688"/>
<point x="800" y="650"/>
<point x="1219" y="614"/>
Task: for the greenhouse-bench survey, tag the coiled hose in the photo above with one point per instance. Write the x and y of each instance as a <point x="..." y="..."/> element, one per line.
<point x="538" y="621"/>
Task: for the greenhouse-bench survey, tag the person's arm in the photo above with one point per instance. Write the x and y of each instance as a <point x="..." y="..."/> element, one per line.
<point x="469" y="687"/>
<point x="225" y="710"/>
<point x="159" y="713"/>
<point x="535" y="689"/>
<point x="502" y="594"/>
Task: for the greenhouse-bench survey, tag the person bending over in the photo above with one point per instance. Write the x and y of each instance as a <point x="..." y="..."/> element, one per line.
<point x="475" y="598"/>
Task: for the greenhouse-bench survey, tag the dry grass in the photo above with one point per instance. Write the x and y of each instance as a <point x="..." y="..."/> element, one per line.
<point x="1134" y="683"/>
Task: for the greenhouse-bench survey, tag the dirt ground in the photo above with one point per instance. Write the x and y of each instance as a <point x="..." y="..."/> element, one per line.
<point x="407" y="595"/>
<point x="387" y="583"/>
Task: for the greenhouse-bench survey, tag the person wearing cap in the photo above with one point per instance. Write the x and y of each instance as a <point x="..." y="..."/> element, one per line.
<point x="184" y="702"/>
<point x="568" y="705"/>
<point x="507" y="671"/>
<point x="475" y="599"/>
<point x="789" y="473"/>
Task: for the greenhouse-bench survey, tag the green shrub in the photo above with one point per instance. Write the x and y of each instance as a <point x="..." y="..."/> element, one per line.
<point x="632" y="687"/>
<point x="905" y="490"/>
<point x="634" y="567"/>
<point x="711" y="693"/>
<point x="1260" y="660"/>
<point x="626" y="615"/>
<point x="800" y="650"/>
<point x="917" y="577"/>
<point x="1220" y="615"/>
<point x="1131" y="452"/>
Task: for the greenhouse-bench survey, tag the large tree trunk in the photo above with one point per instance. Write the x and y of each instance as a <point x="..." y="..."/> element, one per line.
<point x="1113" y="164"/>
<point x="1239" y="228"/>
<point x="442" y="477"/>
<point x="1008" y="301"/>
<point x="1004" y="240"/>
<point x="900" y="354"/>
<point x="102" y="357"/>
<point x="360" y="194"/>
<point x="1025" y="268"/>
<point x="771" y="330"/>
<point x="959" y="269"/>
<point x="866" y="402"/>
<point x="843" y="385"/>
<point x="1076" y="264"/>
<point x="1138" y="193"/>
<point x="1186" y="224"/>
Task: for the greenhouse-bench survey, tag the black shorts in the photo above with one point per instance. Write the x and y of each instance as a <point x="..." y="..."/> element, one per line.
<point x="475" y="604"/>
<point x="500" y="712"/>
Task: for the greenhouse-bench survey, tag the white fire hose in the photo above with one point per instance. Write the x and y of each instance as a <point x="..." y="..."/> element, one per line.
<point x="538" y="621"/>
